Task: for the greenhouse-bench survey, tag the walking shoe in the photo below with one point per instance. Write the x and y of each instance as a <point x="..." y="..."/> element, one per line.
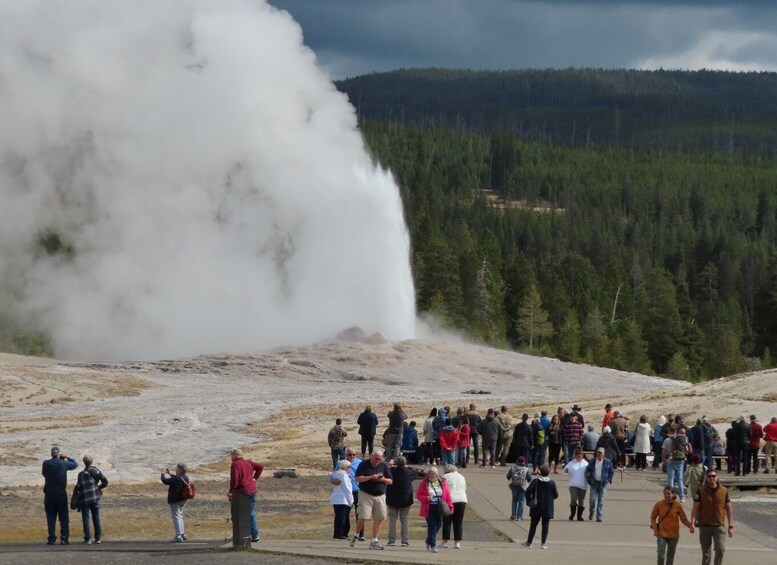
<point x="256" y="539"/>
<point x="178" y="539"/>
<point x="353" y="540"/>
<point x="525" y="544"/>
<point x="457" y="545"/>
<point x="361" y="537"/>
<point x="591" y="516"/>
<point x="392" y="543"/>
<point x="598" y="519"/>
<point x="431" y="548"/>
<point x="87" y="542"/>
<point x="493" y="466"/>
<point x="51" y="542"/>
<point x="65" y="542"/>
<point x="375" y="545"/>
<point x="184" y="537"/>
<point x="544" y="546"/>
<point x="443" y="545"/>
<point x="405" y="543"/>
<point x="513" y="518"/>
<point x="98" y="541"/>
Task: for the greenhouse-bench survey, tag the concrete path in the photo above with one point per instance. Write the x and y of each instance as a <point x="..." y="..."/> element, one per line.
<point x="624" y="535"/>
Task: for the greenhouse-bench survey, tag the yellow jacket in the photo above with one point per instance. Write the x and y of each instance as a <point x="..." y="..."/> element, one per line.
<point x="665" y="519"/>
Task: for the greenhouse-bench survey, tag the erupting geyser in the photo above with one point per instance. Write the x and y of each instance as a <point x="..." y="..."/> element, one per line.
<point x="178" y="177"/>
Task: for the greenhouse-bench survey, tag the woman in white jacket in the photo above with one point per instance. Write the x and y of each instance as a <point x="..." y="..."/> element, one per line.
<point x="457" y="485"/>
<point x="642" y="443"/>
<point x="342" y="498"/>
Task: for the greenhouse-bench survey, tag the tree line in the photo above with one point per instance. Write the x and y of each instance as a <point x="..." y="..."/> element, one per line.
<point x="639" y="258"/>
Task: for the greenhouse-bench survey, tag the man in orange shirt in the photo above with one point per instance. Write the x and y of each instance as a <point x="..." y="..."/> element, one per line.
<point x="608" y="414"/>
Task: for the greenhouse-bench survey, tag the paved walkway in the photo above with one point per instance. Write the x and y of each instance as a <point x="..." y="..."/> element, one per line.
<point x="624" y="535"/>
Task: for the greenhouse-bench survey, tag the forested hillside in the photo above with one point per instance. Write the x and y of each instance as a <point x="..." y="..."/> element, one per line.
<point x="640" y="258"/>
<point x="679" y="109"/>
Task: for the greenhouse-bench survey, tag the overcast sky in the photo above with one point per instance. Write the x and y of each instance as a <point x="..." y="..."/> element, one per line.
<point x="353" y="37"/>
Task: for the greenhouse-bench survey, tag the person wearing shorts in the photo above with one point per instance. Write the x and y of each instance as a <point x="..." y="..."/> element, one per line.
<point x="373" y="475"/>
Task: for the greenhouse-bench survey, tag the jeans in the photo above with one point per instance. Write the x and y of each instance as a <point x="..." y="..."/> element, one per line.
<point x="708" y="535"/>
<point x="448" y="457"/>
<point x="337" y="455"/>
<point x="463" y="456"/>
<point x="368" y="444"/>
<point x="533" y="528"/>
<point x="254" y="525"/>
<point x="433" y="524"/>
<point x="456" y="519"/>
<point x="341" y="514"/>
<point x="674" y="476"/>
<point x="402" y="514"/>
<point x="476" y="445"/>
<point x="666" y="548"/>
<point x="176" y="511"/>
<point x="393" y="445"/>
<point x="56" y="505"/>
<point x="94" y="510"/>
<point x="708" y="456"/>
<point x="743" y="464"/>
<point x="524" y="452"/>
<point x="489" y="452"/>
<point x="657" y="455"/>
<point x="518" y="503"/>
<point x="596" y="499"/>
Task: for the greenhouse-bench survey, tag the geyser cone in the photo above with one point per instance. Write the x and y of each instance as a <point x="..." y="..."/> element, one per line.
<point x="204" y="183"/>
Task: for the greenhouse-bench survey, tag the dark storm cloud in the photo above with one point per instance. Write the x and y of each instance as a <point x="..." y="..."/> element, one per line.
<point x="353" y="37"/>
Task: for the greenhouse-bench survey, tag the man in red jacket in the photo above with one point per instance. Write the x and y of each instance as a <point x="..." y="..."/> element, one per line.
<point x="242" y="493"/>
<point x="754" y="447"/>
<point x="770" y="435"/>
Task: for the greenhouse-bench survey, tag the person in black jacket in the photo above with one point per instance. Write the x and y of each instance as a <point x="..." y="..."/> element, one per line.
<point x="610" y="445"/>
<point x="399" y="499"/>
<point x="55" y="470"/>
<point x="175" y="484"/>
<point x="522" y="437"/>
<point x="368" y="425"/>
<point x="544" y="491"/>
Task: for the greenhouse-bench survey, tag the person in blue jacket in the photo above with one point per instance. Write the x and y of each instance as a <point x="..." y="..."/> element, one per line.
<point x="55" y="494"/>
<point x="599" y="474"/>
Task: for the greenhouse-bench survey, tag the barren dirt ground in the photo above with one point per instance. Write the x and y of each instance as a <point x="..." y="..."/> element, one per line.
<point x="137" y="417"/>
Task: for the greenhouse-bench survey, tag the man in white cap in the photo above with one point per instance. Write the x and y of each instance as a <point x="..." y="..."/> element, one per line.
<point x="55" y="494"/>
<point x="599" y="474"/>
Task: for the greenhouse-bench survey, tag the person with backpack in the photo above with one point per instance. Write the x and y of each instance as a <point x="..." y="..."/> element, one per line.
<point x="709" y="439"/>
<point x="175" y="484"/>
<point x="578" y="484"/>
<point x="519" y="477"/>
<point x="90" y="486"/>
<point x="675" y="464"/>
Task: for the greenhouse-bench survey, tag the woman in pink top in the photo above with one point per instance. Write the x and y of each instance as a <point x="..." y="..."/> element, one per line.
<point x="464" y="435"/>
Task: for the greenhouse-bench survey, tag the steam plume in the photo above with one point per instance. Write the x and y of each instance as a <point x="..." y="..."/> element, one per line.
<point x="179" y="178"/>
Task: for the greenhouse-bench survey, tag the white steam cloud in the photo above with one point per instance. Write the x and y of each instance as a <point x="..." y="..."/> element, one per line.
<point x="207" y="174"/>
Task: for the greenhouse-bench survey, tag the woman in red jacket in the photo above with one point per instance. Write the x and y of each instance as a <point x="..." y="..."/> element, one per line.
<point x="449" y="442"/>
<point x="433" y="493"/>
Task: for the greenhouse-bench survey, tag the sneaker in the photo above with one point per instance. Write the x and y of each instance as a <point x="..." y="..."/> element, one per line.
<point x="375" y="545"/>
<point x="598" y="518"/>
<point x="392" y="543"/>
<point x="513" y="518"/>
<point x="405" y="544"/>
<point x="98" y="541"/>
<point x="51" y="542"/>
<point x="352" y="543"/>
<point x="591" y="516"/>
<point x="457" y="545"/>
<point x="361" y="538"/>
<point x="443" y="545"/>
<point x="493" y="466"/>
<point x="431" y="549"/>
<point x="178" y="539"/>
<point x="544" y="546"/>
<point x="87" y="542"/>
<point x="65" y="542"/>
<point x="256" y="539"/>
<point x="519" y="518"/>
<point x="525" y="544"/>
<point x="682" y="501"/>
<point x="184" y="537"/>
